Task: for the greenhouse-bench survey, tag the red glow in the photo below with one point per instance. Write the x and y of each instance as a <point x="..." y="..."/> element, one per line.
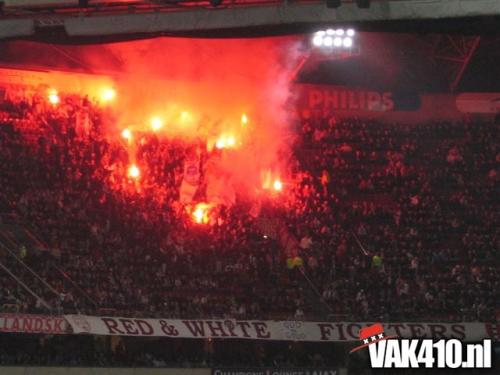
<point x="277" y="185"/>
<point x="185" y="116"/>
<point x="231" y="97"/>
<point x="156" y="123"/>
<point x="127" y="134"/>
<point x="108" y="94"/>
<point x="270" y="180"/>
<point x="54" y="97"/>
<point x="200" y="213"/>
<point x="244" y="119"/>
<point x="231" y="141"/>
<point x="226" y="141"/>
<point x="195" y="103"/>
<point x="220" y="143"/>
<point x="134" y="172"/>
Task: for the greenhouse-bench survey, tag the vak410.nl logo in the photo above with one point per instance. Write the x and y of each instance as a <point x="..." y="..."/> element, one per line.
<point x="390" y="352"/>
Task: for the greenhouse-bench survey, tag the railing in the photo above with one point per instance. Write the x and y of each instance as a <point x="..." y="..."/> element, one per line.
<point x="8" y="243"/>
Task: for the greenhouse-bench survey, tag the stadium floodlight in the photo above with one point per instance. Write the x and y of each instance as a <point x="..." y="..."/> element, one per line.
<point x="317" y="40"/>
<point x="328" y="41"/>
<point x="347" y="42"/>
<point x="332" y="39"/>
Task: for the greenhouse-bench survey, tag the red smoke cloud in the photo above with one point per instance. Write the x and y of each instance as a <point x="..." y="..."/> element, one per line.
<point x="199" y="89"/>
<point x="227" y="94"/>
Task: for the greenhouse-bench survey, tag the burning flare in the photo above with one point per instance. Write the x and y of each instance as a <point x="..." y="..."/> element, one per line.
<point x="225" y="141"/>
<point x="200" y="213"/>
<point x="277" y="185"/>
<point x="244" y="119"/>
<point x="127" y="134"/>
<point x="134" y="172"/>
<point x="108" y="94"/>
<point x="54" y="97"/>
<point x="156" y="123"/>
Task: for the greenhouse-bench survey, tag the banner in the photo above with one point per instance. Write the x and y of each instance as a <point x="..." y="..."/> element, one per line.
<point x="275" y="371"/>
<point x="273" y="330"/>
<point x="191" y="178"/>
<point x="316" y="102"/>
<point x="353" y="99"/>
<point x="20" y="323"/>
<point x="479" y="102"/>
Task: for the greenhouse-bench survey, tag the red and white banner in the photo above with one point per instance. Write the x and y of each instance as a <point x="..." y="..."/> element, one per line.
<point x="272" y="330"/>
<point x="54" y="325"/>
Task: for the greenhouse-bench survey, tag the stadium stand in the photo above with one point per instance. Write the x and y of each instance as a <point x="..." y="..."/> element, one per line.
<point x="379" y="225"/>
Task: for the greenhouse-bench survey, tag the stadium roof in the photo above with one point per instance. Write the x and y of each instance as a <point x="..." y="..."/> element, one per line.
<point x="128" y="19"/>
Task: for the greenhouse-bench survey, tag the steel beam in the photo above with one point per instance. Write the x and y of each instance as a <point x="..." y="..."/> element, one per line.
<point x="238" y="18"/>
<point x="277" y="15"/>
<point x="452" y="54"/>
<point x="14" y="28"/>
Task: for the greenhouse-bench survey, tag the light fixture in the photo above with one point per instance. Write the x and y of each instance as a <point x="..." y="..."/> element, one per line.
<point x="332" y="39"/>
<point x="347" y="42"/>
<point x="328" y="41"/>
<point x="317" y="40"/>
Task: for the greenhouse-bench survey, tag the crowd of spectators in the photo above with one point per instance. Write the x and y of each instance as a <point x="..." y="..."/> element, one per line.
<point x="128" y="252"/>
<point x="401" y="221"/>
<point x="394" y="222"/>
